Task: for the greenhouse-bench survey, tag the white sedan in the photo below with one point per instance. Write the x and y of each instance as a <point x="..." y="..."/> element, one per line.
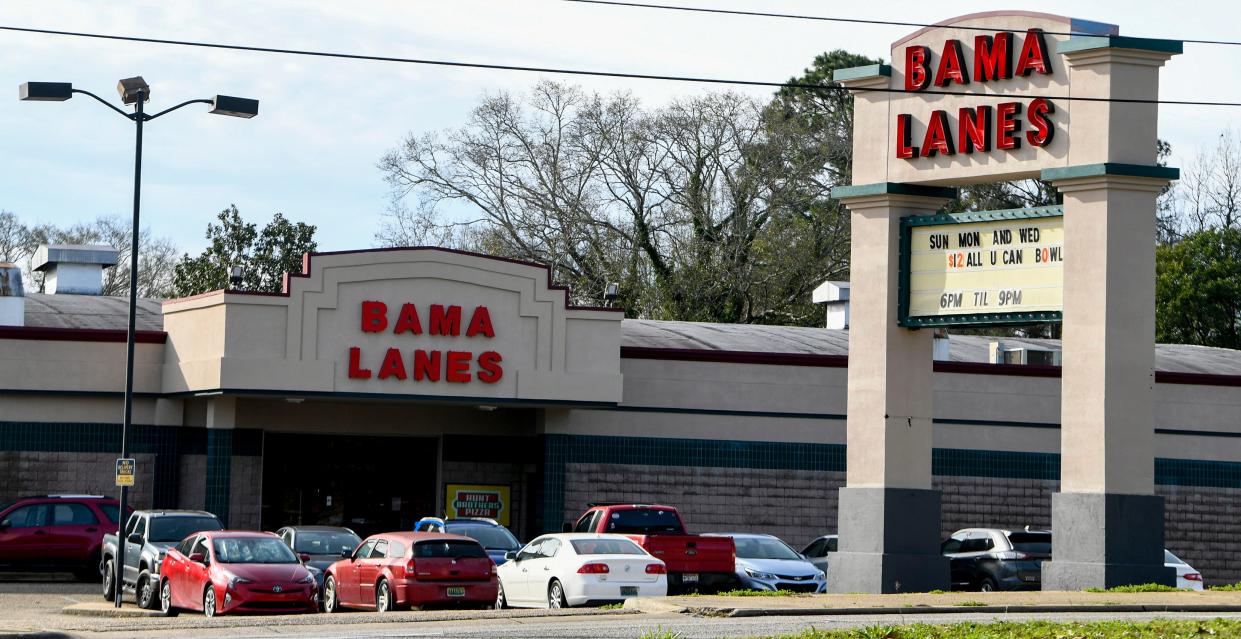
<point x="572" y="569"/>
<point x="1186" y="577"/>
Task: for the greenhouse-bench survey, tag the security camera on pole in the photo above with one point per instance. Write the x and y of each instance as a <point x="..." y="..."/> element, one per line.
<point x="133" y="91"/>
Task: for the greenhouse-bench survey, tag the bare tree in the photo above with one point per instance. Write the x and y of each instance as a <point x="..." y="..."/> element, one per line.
<point x="1209" y="192"/>
<point x="18" y="243"/>
<point x="708" y="209"/>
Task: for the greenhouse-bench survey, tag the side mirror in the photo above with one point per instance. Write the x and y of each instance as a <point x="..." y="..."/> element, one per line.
<point x="135" y="538"/>
<point x="198" y="558"/>
<point x="303" y="557"/>
<point x="5" y="524"/>
<point x="566" y="527"/>
<point x="510" y="555"/>
<point x="346" y="554"/>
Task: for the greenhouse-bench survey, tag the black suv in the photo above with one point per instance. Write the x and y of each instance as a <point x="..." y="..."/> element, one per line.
<point x="990" y="559"/>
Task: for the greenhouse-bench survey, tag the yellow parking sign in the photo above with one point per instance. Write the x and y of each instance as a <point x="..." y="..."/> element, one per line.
<point x="125" y="471"/>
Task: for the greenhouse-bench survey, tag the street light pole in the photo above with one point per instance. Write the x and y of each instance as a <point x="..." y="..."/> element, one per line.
<point x="121" y="543"/>
<point x="133" y="90"/>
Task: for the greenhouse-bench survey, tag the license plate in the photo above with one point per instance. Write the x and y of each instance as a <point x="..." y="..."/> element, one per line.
<point x="629" y="591"/>
<point x="689" y="578"/>
<point x="456" y="591"/>
<point x="1029" y="577"/>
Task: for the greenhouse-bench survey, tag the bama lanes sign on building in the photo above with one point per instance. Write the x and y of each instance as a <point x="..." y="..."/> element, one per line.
<point x="991" y="267"/>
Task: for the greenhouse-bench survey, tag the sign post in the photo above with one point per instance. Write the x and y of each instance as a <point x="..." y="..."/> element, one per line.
<point x="983" y="98"/>
<point x="125" y="471"/>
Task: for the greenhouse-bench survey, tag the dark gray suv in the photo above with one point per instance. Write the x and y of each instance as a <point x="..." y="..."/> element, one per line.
<point x="990" y="559"/>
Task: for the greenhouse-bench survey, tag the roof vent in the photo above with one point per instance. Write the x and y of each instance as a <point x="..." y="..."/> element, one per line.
<point x="1001" y="353"/>
<point x="836" y="296"/>
<point x="75" y="269"/>
<point x="12" y="297"/>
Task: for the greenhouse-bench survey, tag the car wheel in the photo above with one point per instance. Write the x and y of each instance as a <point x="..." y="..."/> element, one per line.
<point x="146" y="592"/>
<point x="987" y="585"/>
<point x="109" y="581"/>
<point x="383" y="597"/>
<point x="165" y="599"/>
<point x="555" y="595"/>
<point x="209" y="601"/>
<point x="501" y="602"/>
<point x="330" y="603"/>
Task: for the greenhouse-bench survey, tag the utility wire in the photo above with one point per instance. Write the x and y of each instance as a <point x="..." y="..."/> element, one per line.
<point x="582" y="72"/>
<point x="894" y="23"/>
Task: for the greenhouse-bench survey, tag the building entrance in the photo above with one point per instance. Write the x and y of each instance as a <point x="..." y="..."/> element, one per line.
<point x="369" y="484"/>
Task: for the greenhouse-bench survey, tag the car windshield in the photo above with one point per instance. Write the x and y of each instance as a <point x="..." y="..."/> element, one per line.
<point x="643" y="521"/>
<point x="252" y="550"/>
<point x="1031" y="542"/>
<point x="606" y="547"/>
<point x="450" y="548"/>
<point x="491" y="537"/>
<point x="171" y="529"/>
<point x="763" y="548"/>
<point x="326" y="542"/>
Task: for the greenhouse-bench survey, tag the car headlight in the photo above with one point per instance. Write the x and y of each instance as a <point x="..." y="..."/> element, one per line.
<point x="820" y="576"/>
<point x="234" y="580"/>
<point x="308" y="579"/>
<point x="766" y="576"/>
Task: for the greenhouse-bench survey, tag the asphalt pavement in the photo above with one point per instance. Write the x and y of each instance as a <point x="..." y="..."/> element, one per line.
<point x="615" y="626"/>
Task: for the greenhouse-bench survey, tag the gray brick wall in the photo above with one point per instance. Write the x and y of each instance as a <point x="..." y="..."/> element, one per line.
<point x="795" y="505"/>
<point x="245" y="502"/>
<point x="24" y="473"/>
<point x="985" y="502"/>
<point x="1203" y="527"/>
<point x="511" y="475"/>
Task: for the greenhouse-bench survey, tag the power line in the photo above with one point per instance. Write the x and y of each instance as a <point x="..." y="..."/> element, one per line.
<point x="582" y="72"/>
<point x="891" y="23"/>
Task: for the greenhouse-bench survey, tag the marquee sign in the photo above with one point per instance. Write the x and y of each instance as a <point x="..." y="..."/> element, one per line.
<point x="992" y="267"/>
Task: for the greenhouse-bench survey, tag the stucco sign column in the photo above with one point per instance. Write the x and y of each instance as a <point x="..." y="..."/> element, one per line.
<point x="889" y="516"/>
<point x="987" y="97"/>
<point x="1107" y="523"/>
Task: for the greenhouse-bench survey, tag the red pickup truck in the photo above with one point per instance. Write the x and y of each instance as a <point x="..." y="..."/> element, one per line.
<point x="695" y="563"/>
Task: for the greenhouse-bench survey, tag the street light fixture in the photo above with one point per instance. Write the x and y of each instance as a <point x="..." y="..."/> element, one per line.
<point x="133" y="91"/>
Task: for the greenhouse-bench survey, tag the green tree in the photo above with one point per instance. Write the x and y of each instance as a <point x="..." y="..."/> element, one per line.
<point x="1198" y="289"/>
<point x="263" y="256"/>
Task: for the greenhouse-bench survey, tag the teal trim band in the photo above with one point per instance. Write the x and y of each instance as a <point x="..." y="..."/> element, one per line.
<point x="987" y="319"/>
<point x="725" y="413"/>
<point x="1110" y="168"/>
<point x="982" y="216"/>
<point x="893" y="188"/>
<point x="862" y="73"/>
<point x="1091" y="43"/>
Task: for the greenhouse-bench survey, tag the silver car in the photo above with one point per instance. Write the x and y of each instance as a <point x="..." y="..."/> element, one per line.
<point x="765" y="562"/>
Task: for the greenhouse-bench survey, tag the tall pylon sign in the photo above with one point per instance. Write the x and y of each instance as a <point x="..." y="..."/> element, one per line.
<point x="980" y="98"/>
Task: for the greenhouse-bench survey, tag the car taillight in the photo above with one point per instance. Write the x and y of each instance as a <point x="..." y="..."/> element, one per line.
<point x="1193" y="576"/>
<point x="494" y="571"/>
<point x="656" y="569"/>
<point x="409" y="567"/>
<point x="593" y="569"/>
<point x="1011" y="554"/>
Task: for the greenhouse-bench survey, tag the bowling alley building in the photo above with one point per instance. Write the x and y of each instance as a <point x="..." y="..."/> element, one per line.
<point x="385" y="385"/>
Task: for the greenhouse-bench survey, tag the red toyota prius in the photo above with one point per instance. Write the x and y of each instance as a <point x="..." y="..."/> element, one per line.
<point x="224" y="571"/>
<point x="396" y="570"/>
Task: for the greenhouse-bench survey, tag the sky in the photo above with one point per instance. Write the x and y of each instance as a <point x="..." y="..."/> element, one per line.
<point x="324" y="124"/>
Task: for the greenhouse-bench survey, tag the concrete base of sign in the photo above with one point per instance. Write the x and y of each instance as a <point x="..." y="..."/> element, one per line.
<point x="889" y="541"/>
<point x="1103" y="540"/>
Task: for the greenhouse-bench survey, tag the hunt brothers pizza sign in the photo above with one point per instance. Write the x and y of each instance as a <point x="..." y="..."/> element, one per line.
<point x="457" y="366"/>
<point x="984" y="127"/>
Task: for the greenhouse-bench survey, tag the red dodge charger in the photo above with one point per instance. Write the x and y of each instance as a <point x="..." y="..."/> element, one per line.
<point x="401" y="569"/>
<point x="225" y="571"/>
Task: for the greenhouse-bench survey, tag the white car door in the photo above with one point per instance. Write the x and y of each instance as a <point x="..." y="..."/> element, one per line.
<point x="517" y="576"/>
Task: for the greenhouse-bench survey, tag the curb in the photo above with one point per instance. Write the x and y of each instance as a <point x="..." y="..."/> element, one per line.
<point x="41" y="634"/>
<point x="100" y="610"/>
<point x="941" y="610"/>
